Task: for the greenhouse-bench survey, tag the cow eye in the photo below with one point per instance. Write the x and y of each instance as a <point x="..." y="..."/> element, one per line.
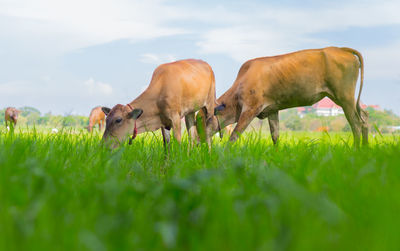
<point x="119" y="120"/>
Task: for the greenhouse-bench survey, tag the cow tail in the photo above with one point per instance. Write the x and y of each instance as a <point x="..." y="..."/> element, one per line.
<point x="360" y="57"/>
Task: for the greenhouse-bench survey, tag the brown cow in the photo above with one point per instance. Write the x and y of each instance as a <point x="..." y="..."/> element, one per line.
<point x="11" y="115"/>
<point x="176" y="90"/>
<point x="96" y="117"/>
<point x="269" y="84"/>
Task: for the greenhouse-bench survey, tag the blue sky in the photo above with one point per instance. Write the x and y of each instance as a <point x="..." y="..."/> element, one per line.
<point x="69" y="56"/>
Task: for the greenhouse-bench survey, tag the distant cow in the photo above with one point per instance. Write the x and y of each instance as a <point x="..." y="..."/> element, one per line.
<point x="96" y="117"/>
<point x="11" y="116"/>
<point x="269" y="84"/>
<point x="176" y="90"/>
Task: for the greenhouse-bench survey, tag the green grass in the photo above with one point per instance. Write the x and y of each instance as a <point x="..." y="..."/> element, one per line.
<point x="314" y="191"/>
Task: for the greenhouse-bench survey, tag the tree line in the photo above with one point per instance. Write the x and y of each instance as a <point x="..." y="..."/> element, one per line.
<point x="30" y="116"/>
<point x="382" y="120"/>
<point x="290" y="120"/>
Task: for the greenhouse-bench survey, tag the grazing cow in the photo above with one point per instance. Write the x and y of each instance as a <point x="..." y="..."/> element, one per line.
<point x="96" y="117"/>
<point x="11" y="116"/>
<point x="177" y="89"/>
<point x="269" y="84"/>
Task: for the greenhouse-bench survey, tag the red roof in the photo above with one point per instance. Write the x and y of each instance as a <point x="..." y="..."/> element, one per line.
<point x="362" y="105"/>
<point x="376" y="107"/>
<point x="326" y="103"/>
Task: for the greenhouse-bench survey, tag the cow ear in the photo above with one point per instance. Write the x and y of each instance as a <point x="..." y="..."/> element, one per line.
<point x="219" y="108"/>
<point x="135" y="114"/>
<point x="106" y="110"/>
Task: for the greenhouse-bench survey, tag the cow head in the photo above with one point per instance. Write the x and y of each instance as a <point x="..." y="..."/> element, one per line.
<point x="212" y="125"/>
<point x="215" y="125"/>
<point x="219" y="109"/>
<point x="120" y="122"/>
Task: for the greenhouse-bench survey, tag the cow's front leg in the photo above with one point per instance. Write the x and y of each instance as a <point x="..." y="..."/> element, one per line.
<point x="273" y="120"/>
<point x="191" y="128"/>
<point x="244" y="120"/>
<point x="166" y="137"/>
<point x="176" y="126"/>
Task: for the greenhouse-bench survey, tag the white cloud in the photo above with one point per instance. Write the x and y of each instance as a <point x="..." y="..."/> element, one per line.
<point x="272" y="30"/>
<point x="156" y="59"/>
<point x="69" y="25"/>
<point x="97" y="87"/>
<point x="46" y="78"/>
<point x="17" y="88"/>
<point x="61" y="26"/>
<point x="383" y="62"/>
<point x="245" y="42"/>
<point x="277" y="30"/>
<point x="36" y="29"/>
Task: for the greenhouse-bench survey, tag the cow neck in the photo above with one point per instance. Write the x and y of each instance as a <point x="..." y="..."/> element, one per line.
<point x="229" y="111"/>
<point x="150" y="116"/>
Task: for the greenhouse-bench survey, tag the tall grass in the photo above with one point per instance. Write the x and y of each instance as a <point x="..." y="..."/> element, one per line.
<point x="66" y="191"/>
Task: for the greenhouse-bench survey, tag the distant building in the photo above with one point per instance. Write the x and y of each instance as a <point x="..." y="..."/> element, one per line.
<point x="375" y="107"/>
<point x="326" y="107"/>
<point x="301" y="111"/>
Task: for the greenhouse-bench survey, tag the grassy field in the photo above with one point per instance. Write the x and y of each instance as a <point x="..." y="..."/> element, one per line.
<point x="66" y="191"/>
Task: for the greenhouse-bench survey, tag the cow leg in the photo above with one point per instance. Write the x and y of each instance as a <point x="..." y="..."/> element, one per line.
<point x="273" y="120"/>
<point x="176" y="126"/>
<point x="190" y="122"/>
<point x="209" y="120"/>
<point x="364" y="124"/>
<point x="12" y="126"/>
<point x="166" y="137"/>
<point x="354" y="121"/>
<point x="100" y="126"/>
<point x="244" y="120"/>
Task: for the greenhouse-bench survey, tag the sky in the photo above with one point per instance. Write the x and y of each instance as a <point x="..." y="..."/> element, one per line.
<point x="67" y="57"/>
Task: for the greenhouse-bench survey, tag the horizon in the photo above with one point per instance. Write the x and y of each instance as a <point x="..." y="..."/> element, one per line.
<point x="374" y="106"/>
<point x="70" y="56"/>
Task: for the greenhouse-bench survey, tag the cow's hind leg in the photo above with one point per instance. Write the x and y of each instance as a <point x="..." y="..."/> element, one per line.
<point x="12" y="126"/>
<point x="244" y="120"/>
<point x="190" y="122"/>
<point x="353" y="118"/>
<point x="273" y="120"/>
<point x="364" y="126"/>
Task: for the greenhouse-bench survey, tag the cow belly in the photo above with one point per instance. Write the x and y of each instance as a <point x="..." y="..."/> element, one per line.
<point x="192" y="107"/>
<point x="305" y="99"/>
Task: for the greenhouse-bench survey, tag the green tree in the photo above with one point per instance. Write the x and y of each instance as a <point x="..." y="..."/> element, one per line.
<point x="27" y="110"/>
<point x="293" y="123"/>
<point x="2" y="113"/>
